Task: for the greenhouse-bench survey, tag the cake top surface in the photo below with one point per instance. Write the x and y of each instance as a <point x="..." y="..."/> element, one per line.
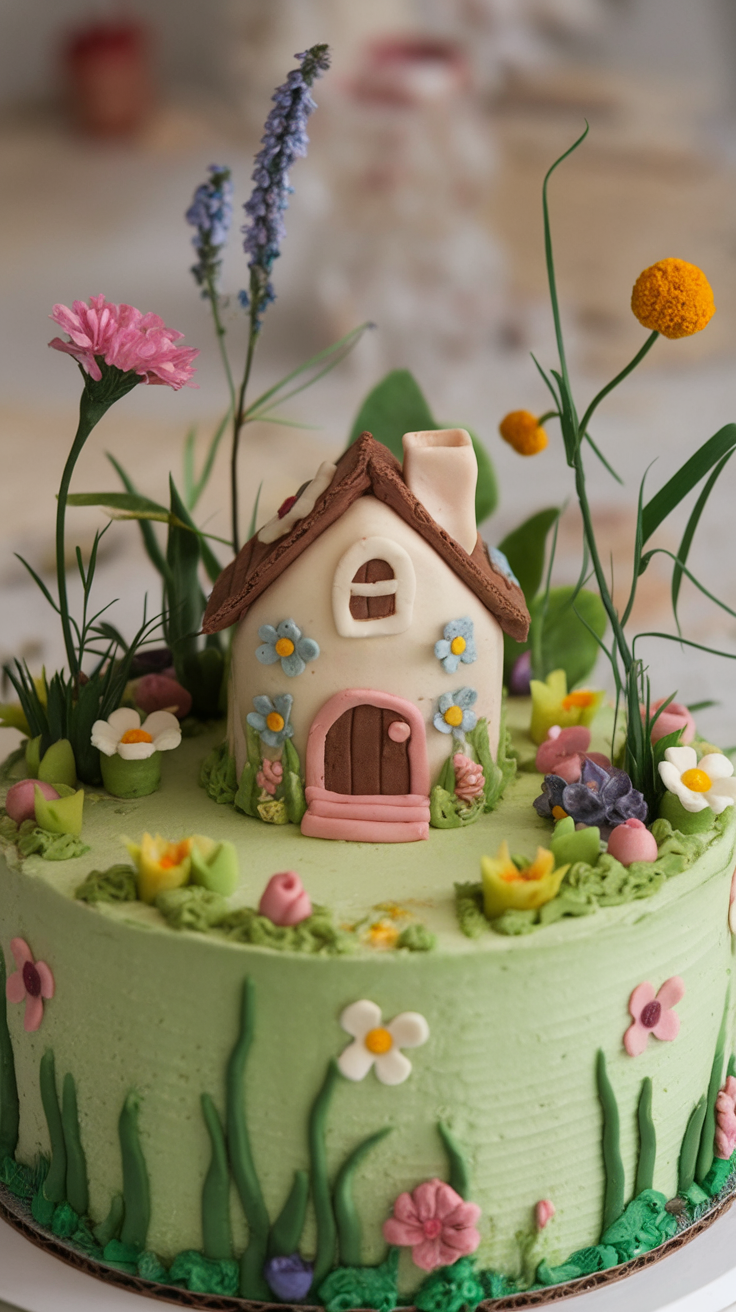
<point x="367" y="468"/>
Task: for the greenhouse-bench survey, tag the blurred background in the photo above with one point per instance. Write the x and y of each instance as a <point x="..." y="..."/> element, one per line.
<point x="419" y="208"/>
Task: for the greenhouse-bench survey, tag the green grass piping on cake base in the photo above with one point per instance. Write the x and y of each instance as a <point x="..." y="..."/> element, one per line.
<point x="459" y="1168"/>
<point x="349" y="1227"/>
<point x="136" y="1186"/>
<point x="112" y="1225"/>
<point x="321" y="1197"/>
<point x="55" y="1183"/>
<point x="216" y="1232"/>
<point x="613" y="1195"/>
<point x="252" y="1282"/>
<point x="9" y="1101"/>
<point x="647" y="1139"/>
<point x="708" y="1133"/>
<point x="77" y="1187"/>
<point x="690" y="1146"/>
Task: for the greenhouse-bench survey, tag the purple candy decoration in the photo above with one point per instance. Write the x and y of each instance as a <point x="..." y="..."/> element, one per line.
<point x="601" y="797"/>
<point x="288" y="1277"/>
<point x="521" y="673"/>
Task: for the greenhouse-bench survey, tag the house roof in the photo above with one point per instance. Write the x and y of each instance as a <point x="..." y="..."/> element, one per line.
<point x="367" y="468"/>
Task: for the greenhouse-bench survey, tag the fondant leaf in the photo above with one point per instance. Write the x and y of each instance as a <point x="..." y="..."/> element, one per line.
<point x="524" y="549"/>
<point x="567" y="643"/>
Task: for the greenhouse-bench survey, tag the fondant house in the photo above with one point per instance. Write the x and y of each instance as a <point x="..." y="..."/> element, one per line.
<point x="340" y="602"/>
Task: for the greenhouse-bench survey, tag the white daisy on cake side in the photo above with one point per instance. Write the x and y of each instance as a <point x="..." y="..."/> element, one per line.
<point x="379" y="1045"/>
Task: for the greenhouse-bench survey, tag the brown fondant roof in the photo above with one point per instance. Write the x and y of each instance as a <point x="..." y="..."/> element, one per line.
<point x="366" y="468"/>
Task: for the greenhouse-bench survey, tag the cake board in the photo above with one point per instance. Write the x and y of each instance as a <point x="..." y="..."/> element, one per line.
<point x="698" y="1276"/>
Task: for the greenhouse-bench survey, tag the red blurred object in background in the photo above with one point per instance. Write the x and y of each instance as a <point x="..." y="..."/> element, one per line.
<point x="108" y="74"/>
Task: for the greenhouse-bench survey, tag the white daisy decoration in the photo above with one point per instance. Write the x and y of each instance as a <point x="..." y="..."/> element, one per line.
<point x="699" y="783"/>
<point x="379" y="1045"/>
<point x="122" y="734"/>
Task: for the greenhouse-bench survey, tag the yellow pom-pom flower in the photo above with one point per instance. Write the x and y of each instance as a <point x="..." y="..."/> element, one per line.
<point x="673" y="298"/>
<point x="522" y="431"/>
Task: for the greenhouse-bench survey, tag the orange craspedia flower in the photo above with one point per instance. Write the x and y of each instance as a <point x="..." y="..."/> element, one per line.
<point x="522" y="431"/>
<point x="673" y="298"/>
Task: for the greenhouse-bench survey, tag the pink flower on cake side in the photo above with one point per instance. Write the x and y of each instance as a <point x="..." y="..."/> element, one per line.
<point x="285" y="900"/>
<point x="270" y="776"/>
<point x="725" y="1140"/>
<point x="435" y="1223"/>
<point x="564" y="750"/>
<point x="469" y="778"/>
<point x="676" y="716"/>
<point x="126" y="339"/>
<point x="653" y="1015"/>
<point x="30" y="983"/>
<point x="543" y="1213"/>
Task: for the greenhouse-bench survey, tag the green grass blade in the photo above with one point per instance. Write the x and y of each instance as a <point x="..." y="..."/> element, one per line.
<point x="687" y="642"/>
<point x="77" y="1188"/>
<point x="55" y="1183"/>
<point x="204" y="478"/>
<point x="136" y="1187"/>
<point x="689" y="534"/>
<point x="548" y="384"/>
<point x="254" y="513"/>
<point x="216" y="1235"/>
<point x="344" y="345"/>
<point x="707" y="1136"/>
<point x="347" y="1217"/>
<point x="686" y="478"/>
<point x="690" y="1145"/>
<point x="613" y="1196"/>
<point x="252" y="1282"/>
<point x="525" y="546"/>
<point x="286" y="1231"/>
<point x="549" y="256"/>
<point x="649" y="343"/>
<point x="150" y="541"/>
<point x="188" y="466"/>
<point x="326" y="1225"/>
<point x="647" y="1140"/>
<point x="458" y="1162"/>
<point x="602" y="458"/>
<point x="38" y="581"/>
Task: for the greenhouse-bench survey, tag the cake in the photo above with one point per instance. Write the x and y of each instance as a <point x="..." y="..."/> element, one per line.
<point x="382" y="989"/>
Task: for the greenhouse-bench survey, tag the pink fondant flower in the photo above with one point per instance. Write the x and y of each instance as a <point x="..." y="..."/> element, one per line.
<point x="653" y="1015"/>
<point x="543" y="1213"/>
<point x="125" y="339"/>
<point x="725" y="1141"/>
<point x="160" y="692"/>
<point x="270" y="776"/>
<point x="676" y="716"/>
<point x="435" y="1223"/>
<point x="284" y="900"/>
<point x="564" y="750"/>
<point x="31" y="982"/>
<point x="469" y="778"/>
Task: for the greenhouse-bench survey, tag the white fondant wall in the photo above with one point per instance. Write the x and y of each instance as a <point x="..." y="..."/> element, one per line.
<point x="404" y="663"/>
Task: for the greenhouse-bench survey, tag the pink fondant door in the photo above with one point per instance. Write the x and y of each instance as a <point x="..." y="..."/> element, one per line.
<point x="364" y="753"/>
<point x="367" y="770"/>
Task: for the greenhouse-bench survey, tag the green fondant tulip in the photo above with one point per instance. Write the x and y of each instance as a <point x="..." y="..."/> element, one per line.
<point x="57" y="765"/>
<point x="570" y="844"/>
<point x="63" y="815"/>
<point x="688" y="822"/>
<point x="33" y="756"/>
<point x="214" y="867"/>
<point x="131" y="778"/>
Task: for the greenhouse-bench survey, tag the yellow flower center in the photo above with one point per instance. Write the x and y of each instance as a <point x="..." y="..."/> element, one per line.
<point x="378" y="1041"/>
<point x="457" y="646"/>
<point x="275" y="722"/>
<point x="136" y="736"/>
<point x="174" y="855"/>
<point x="578" y="700"/>
<point x="284" y="647"/>
<point x="558" y="813"/>
<point x="696" y="780"/>
<point x="453" y="716"/>
<point x="383" y="934"/>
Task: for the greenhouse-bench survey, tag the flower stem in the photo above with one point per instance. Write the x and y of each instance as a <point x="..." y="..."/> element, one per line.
<point x="220" y="332"/>
<point x="239" y="408"/>
<point x="90" y="414"/>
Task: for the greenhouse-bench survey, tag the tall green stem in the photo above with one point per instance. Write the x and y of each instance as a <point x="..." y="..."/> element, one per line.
<point x="220" y="333"/>
<point x="239" y="420"/>
<point x="90" y="414"/>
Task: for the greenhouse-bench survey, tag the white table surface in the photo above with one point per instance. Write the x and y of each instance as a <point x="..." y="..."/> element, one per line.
<point x="699" y="1277"/>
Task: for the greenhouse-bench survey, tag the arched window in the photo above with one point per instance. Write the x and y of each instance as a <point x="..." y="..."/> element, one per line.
<point x="373" y="590"/>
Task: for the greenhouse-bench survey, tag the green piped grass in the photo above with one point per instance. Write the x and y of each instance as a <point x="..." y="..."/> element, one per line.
<point x="349" y="1228"/>
<point x="647" y="1139"/>
<point x="54" y="1188"/>
<point x="136" y="1187"/>
<point x="613" y="1195"/>
<point x="216" y="1233"/>
<point x="77" y="1189"/>
<point x="252" y="1282"/>
<point x="707" y="1136"/>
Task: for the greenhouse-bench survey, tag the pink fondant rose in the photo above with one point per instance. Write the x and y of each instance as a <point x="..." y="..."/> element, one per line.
<point x="653" y="1015"/>
<point x="30" y="983"/>
<point x="564" y="750"/>
<point x="631" y="842"/>
<point x="676" y="716"/>
<point x="435" y="1223"/>
<point x="725" y="1141"/>
<point x="270" y="776"/>
<point x="284" y="900"/>
<point x="469" y="778"/>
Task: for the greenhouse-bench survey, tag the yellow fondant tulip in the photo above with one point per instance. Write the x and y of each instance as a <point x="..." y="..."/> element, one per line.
<point x="553" y="704"/>
<point x="505" y="886"/>
<point x="160" y="865"/>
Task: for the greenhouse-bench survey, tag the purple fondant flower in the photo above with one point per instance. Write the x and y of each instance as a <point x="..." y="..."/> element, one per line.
<point x="600" y="797"/>
<point x="289" y="1278"/>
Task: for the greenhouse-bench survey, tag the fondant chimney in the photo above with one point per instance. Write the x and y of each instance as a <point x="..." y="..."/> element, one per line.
<point x="441" y="470"/>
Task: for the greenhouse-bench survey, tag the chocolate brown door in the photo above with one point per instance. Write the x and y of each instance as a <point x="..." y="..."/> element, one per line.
<point x="364" y="755"/>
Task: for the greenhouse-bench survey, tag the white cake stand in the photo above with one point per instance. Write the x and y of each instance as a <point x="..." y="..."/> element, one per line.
<point x="699" y="1277"/>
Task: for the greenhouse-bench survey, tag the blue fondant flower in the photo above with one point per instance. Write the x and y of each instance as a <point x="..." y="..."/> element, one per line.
<point x="457" y="645"/>
<point x="501" y="562"/>
<point x="289" y="1277"/>
<point x="287" y="644"/>
<point x="270" y="719"/>
<point x="454" y="714"/>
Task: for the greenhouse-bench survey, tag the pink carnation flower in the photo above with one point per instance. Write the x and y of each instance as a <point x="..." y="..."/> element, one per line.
<point x="653" y="1015"/>
<point x="30" y="983"/>
<point x="270" y="776"/>
<point x="469" y="778"/>
<point x="131" y="341"/>
<point x="435" y="1223"/>
<point x="725" y="1142"/>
